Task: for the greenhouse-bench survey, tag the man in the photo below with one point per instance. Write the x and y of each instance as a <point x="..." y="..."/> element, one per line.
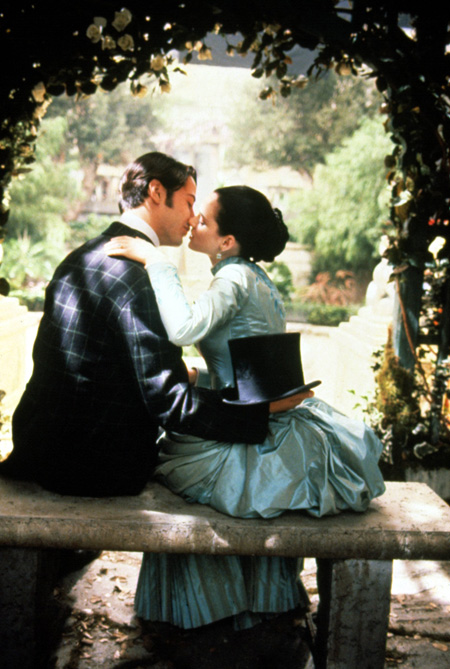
<point x="105" y="375"/>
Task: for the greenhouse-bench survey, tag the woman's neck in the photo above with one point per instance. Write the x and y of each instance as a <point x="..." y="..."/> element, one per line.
<point x="215" y="260"/>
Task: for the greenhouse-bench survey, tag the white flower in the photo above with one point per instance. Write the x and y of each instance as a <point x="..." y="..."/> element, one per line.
<point x="121" y="19"/>
<point x="436" y="245"/>
<point x="158" y="62"/>
<point x="108" y="42"/>
<point x="94" y="33"/>
<point x="126" y="42"/>
<point x="38" y="92"/>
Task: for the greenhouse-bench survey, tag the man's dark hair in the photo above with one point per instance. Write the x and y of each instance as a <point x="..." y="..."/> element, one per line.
<point x="134" y="183"/>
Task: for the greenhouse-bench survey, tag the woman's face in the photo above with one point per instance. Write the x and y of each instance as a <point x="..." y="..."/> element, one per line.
<point x="205" y="236"/>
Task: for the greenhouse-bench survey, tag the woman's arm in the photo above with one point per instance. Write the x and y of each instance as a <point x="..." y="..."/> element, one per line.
<point x="185" y="324"/>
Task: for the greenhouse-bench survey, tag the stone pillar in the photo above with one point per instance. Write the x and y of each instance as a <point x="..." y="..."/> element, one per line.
<point x="17" y="331"/>
<point x="28" y="619"/>
<point x="356" y="341"/>
<point x="353" y="614"/>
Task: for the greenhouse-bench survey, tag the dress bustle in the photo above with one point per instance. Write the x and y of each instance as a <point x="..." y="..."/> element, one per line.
<point x="314" y="459"/>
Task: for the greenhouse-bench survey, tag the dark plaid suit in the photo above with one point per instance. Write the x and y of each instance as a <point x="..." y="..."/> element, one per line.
<point x="105" y="377"/>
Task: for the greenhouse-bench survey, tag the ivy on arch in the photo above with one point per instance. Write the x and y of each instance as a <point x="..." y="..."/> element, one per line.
<point x="49" y="50"/>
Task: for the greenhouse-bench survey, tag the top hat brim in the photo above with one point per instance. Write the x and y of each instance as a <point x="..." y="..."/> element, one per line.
<point x="294" y="391"/>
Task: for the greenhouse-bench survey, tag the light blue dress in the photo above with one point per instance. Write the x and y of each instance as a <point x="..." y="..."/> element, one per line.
<point x="314" y="459"/>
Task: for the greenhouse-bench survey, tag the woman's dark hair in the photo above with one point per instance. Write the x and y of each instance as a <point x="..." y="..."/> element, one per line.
<point x="248" y="215"/>
<point x="134" y="183"/>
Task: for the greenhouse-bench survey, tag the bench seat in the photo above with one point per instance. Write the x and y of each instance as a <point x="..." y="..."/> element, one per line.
<point x="409" y="522"/>
<point x="354" y="552"/>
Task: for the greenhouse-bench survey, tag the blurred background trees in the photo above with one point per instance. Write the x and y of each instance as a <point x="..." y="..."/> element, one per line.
<point x="343" y="216"/>
<point x="328" y="132"/>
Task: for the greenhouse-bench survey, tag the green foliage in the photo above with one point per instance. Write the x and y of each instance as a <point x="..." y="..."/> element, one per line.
<point x="343" y="215"/>
<point x="402" y="412"/>
<point x="28" y="262"/>
<point x="37" y="229"/>
<point x="281" y="275"/>
<point x="112" y="128"/>
<point x="302" y="130"/>
<point x="32" y="298"/>
<point x="319" y="313"/>
<point x="41" y="201"/>
<point x="82" y="230"/>
<point x="396" y="397"/>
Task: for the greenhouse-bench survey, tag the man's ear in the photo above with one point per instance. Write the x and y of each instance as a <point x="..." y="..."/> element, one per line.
<point x="156" y="191"/>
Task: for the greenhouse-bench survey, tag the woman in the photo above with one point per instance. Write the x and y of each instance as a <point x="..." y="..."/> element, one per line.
<point x="314" y="458"/>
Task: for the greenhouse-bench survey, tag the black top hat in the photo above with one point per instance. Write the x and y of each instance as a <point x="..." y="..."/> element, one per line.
<point x="266" y="368"/>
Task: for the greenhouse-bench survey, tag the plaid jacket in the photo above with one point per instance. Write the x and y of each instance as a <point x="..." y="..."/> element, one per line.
<point x="105" y="379"/>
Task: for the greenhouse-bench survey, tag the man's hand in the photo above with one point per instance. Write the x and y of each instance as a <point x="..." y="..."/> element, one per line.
<point x="193" y="376"/>
<point x="289" y="402"/>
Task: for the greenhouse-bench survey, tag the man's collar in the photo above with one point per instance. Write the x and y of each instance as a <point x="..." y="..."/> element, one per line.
<point x="133" y="221"/>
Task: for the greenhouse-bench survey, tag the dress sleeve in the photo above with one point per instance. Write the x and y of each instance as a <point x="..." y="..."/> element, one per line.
<point x="186" y="324"/>
<point x="163" y="381"/>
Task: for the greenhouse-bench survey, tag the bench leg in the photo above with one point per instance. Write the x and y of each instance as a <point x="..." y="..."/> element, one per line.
<point x="353" y="616"/>
<point x="27" y="579"/>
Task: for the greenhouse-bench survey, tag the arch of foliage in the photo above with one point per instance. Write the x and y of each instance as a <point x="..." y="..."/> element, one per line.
<point x="48" y="49"/>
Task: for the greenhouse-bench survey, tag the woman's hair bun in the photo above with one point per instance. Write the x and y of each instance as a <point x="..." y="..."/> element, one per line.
<point x="248" y="215"/>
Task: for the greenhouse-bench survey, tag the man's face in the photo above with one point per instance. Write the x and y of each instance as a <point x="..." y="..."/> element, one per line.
<point x="174" y="222"/>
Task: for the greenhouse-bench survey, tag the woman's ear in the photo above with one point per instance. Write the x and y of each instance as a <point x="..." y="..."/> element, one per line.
<point x="156" y="191"/>
<point x="230" y="243"/>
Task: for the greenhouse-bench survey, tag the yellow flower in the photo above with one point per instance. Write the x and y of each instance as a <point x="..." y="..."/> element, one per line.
<point x="343" y="68"/>
<point x="205" y="53"/>
<point x="126" y="42"/>
<point x="108" y="42"/>
<point x="138" y="90"/>
<point x="158" y="62"/>
<point x="26" y="150"/>
<point x="38" y="92"/>
<point x="272" y="28"/>
<point x="100" y="21"/>
<point x="164" y="86"/>
<point x="41" y="109"/>
<point x="94" y="33"/>
<point x="121" y="19"/>
<point x="300" y="82"/>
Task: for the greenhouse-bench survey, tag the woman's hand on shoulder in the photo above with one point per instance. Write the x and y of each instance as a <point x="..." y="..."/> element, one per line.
<point x="289" y="402"/>
<point x="134" y="248"/>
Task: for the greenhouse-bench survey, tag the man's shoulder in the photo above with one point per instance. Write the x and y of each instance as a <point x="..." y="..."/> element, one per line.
<point x="90" y="265"/>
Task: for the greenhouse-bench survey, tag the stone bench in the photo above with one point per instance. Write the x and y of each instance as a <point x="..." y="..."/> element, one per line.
<point x="354" y="553"/>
